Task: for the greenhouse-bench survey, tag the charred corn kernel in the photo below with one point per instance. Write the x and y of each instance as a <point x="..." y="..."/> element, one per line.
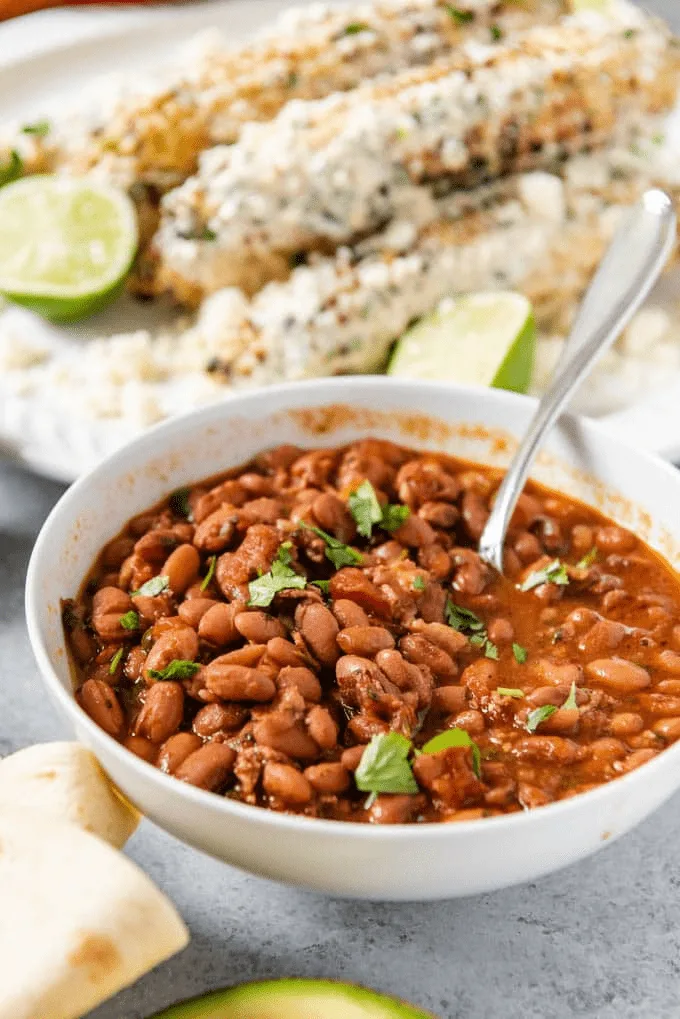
<point x="323" y="173"/>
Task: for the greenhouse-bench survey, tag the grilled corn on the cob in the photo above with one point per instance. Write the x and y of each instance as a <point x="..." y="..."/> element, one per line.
<point x="541" y="233"/>
<point x="324" y="173"/>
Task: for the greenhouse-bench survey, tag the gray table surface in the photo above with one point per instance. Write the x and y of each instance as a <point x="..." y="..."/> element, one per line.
<point x="600" y="940"/>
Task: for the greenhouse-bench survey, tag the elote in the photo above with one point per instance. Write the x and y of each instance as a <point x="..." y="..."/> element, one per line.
<point x="327" y="172"/>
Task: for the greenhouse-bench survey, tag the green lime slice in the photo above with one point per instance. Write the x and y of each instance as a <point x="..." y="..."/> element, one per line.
<point x="294" y="999"/>
<point x="66" y="244"/>
<point x="485" y="339"/>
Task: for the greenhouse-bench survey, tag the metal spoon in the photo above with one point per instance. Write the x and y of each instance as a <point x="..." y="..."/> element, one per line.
<point x="627" y="273"/>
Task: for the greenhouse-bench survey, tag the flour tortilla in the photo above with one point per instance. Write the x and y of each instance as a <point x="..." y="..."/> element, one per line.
<point x="65" y="781"/>
<point x="79" y="920"/>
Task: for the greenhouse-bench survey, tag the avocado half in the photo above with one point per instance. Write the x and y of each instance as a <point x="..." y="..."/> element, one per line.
<point x="293" y="999"/>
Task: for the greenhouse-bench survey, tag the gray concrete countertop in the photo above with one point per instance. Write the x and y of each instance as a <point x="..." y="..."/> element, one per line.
<point x="599" y="940"/>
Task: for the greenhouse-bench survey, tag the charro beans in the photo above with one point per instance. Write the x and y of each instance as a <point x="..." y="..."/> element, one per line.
<point x="275" y="640"/>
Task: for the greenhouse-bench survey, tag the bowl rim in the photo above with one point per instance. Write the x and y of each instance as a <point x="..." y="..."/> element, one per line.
<point x="256" y="815"/>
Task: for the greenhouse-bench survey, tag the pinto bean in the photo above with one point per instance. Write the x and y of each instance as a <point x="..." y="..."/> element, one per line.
<point x="389" y="808"/>
<point x="353" y="584"/>
<point x="218" y="624"/>
<point x="415" y="532"/>
<point x="445" y="637"/>
<point x="322" y="728"/>
<point x="420" y="651"/>
<point x="625" y="724"/>
<point x="218" y="718"/>
<point x="229" y="492"/>
<point x="365" y="640"/>
<point x="217" y="531"/>
<point x="108" y="605"/>
<point x="101" y="704"/>
<point x="191" y="612"/>
<point x="181" y="644"/>
<point x="286" y="654"/>
<point x="331" y="777"/>
<point x="280" y="731"/>
<point x="472" y="721"/>
<point x="635" y="759"/>
<point x="209" y="767"/>
<point x="527" y="547"/>
<point x="564" y="720"/>
<point x="660" y="704"/>
<point x="668" y="729"/>
<point x="176" y="750"/>
<point x="348" y="613"/>
<point x="501" y="631"/>
<point x="612" y="539"/>
<point x="134" y="664"/>
<point x="181" y="568"/>
<point x="162" y="712"/>
<point x="607" y="749"/>
<point x="481" y="677"/>
<point x="406" y="676"/>
<point x="142" y="748"/>
<point x="319" y="629"/>
<point x="259" y="627"/>
<point x="546" y="749"/>
<point x="249" y="655"/>
<point x="669" y="661"/>
<point x="300" y="679"/>
<point x="286" y="783"/>
<point x="333" y="516"/>
<point x="475" y="514"/>
<point x="439" y="514"/>
<point x="449" y="699"/>
<point x="559" y="675"/>
<point x="618" y="675"/>
<point x="351" y="758"/>
<point x="238" y="682"/>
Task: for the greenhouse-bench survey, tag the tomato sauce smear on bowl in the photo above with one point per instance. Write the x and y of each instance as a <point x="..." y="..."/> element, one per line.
<point x="315" y="633"/>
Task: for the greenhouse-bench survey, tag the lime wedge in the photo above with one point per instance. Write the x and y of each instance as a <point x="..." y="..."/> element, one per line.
<point x="485" y="339"/>
<point x="66" y="244"/>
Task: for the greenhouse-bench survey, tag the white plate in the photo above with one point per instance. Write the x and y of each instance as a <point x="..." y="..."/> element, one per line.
<point x="61" y="446"/>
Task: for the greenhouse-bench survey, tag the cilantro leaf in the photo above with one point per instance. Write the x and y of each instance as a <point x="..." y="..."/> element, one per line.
<point x="570" y="703"/>
<point x="554" y="573"/>
<point x="153" y="587"/>
<point x="460" y="17"/>
<point x="462" y="619"/>
<point x="12" y="169"/>
<point x="496" y="33"/>
<point x="419" y="583"/>
<point x="384" y="766"/>
<point x="510" y="691"/>
<point x="355" y="27"/>
<point x="179" y="503"/>
<point x="538" y="715"/>
<point x="130" y="621"/>
<point x="281" y="577"/>
<point x="521" y="654"/>
<point x="212" y="563"/>
<point x="40" y="128"/>
<point x="323" y="585"/>
<point x="115" y="661"/>
<point x="365" y="508"/>
<point x="338" y="553"/>
<point x="393" y="516"/>
<point x="588" y="559"/>
<point x="179" y="668"/>
<point x="481" y="640"/>
<point x="455" y="738"/>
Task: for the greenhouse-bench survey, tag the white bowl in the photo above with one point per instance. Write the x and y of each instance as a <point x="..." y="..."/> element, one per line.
<point x="393" y="862"/>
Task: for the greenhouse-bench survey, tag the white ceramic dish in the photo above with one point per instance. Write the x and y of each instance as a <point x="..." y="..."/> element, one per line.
<point x="59" y="444"/>
<point x="403" y="862"/>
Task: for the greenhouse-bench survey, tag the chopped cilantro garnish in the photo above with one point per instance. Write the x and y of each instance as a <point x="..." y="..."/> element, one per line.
<point x="208" y="234"/>
<point x="365" y="508"/>
<point x="538" y="715"/>
<point x="212" y="563"/>
<point x="179" y="668"/>
<point x="338" y="553"/>
<point x="554" y="573"/>
<point x="510" y="691"/>
<point x="179" y="503"/>
<point x="384" y="766"/>
<point x="323" y="585"/>
<point x="355" y="27"/>
<point x="462" y="619"/>
<point x="496" y="32"/>
<point x="153" y="587"/>
<point x="115" y="661"/>
<point x="459" y="16"/>
<point x="520" y="653"/>
<point x="455" y="738"/>
<point x="130" y="621"/>
<point x="570" y="703"/>
<point x="281" y="577"/>
<point x="394" y="516"/>
<point x="481" y="640"/>
<point x="40" y="128"/>
<point x="419" y="583"/>
<point x="588" y="559"/>
<point x="12" y="169"/>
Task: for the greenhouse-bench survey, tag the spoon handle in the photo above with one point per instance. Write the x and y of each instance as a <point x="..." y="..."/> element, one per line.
<point x="630" y="268"/>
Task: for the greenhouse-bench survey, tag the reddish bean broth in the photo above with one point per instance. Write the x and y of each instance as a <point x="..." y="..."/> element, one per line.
<point x="561" y="687"/>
